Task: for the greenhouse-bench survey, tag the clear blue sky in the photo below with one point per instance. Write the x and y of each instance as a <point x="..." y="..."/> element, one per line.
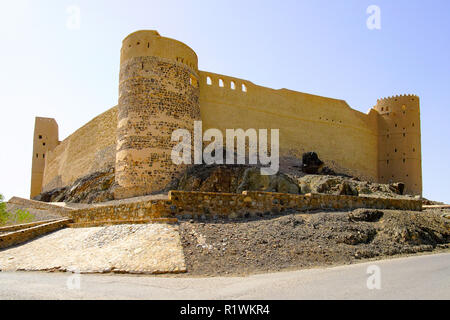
<point x="319" y="47"/>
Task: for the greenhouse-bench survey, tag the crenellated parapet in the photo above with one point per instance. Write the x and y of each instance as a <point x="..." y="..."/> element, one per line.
<point x="400" y="96"/>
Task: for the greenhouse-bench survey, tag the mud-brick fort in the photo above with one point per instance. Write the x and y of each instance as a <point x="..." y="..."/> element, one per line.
<point x="161" y="90"/>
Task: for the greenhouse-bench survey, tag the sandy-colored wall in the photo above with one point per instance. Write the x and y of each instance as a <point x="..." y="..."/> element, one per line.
<point x="161" y="90"/>
<point x="90" y="149"/>
<point x="400" y="156"/>
<point x="158" y="94"/>
<point x="344" y="138"/>
<point x="45" y="139"/>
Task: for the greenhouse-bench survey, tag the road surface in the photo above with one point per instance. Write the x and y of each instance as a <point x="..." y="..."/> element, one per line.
<point x="419" y="277"/>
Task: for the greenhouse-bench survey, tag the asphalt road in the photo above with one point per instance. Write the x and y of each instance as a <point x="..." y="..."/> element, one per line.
<point x="419" y="277"/>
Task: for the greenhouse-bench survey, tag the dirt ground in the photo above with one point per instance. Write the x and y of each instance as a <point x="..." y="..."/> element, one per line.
<point x="305" y="240"/>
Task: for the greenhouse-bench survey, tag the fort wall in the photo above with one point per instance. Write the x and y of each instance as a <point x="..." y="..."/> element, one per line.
<point x="90" y="149"/>
<point x="161" y="90"/>
<point x="345" y="139"/>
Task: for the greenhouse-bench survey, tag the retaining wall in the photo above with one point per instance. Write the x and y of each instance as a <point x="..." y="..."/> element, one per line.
<point x="21" y="226"/>
<point x="33" y="204"/>
<point x="24" y="235"/>
<point x="207" y="205"/>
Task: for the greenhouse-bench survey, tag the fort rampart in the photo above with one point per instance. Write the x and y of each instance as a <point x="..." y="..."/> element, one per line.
<point x="90" y="149"/>
<point x="161" y="89"/>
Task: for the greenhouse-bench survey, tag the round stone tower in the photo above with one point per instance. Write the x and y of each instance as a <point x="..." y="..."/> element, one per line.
<point x="158" y="93"/>
<point x="399" y="147"/>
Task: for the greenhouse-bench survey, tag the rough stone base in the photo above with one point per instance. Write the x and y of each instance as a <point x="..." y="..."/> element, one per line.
<point x="150" y="248"/>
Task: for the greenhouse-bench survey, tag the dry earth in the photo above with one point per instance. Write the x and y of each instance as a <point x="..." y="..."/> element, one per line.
<point x="304" y="240"/>
<point x="294" y="241"/>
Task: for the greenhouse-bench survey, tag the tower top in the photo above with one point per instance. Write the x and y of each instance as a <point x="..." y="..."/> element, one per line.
<point x="145" y="43"/>
<point x="411" y="97"/>
<point x="142" y="32"/>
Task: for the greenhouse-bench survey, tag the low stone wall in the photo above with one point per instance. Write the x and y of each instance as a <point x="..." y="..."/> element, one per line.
<point x="207" y="205"/>
<point x="141" y="210"/>
<point x="437" y="206"/>
<point x="21" y="226"/>
<point x="99" y="223"/>
<point x="252" y="203"/>
<point x="24" y="235"/>
<point x="28" y="204"/>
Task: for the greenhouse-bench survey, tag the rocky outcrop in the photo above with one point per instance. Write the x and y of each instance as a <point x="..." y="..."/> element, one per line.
<point x="94" y="188"/>
<point x="342" y="185"/>
<point x="233" y="179"/>
<point x="99" y="186"/>
<point x="210" y="178"/>
<point x="254" y="181"/>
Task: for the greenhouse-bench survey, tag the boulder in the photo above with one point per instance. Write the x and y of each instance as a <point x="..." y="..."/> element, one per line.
<point x="368" y="215"/>
<point x="346" y="188"/>
<point x="397" y="187"/>
<point x="311" y="163"/>
<point x="254" y="181"/>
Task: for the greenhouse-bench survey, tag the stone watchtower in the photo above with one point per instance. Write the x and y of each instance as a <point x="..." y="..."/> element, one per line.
<point x="158" y="93"/>
<point x="399" y="151"/>
<point x="45" y="139"/>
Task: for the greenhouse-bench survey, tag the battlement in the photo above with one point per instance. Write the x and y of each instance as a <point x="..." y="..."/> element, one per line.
<point x="396" y="97"/>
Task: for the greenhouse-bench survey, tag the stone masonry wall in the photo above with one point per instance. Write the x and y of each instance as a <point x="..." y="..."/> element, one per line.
<point x="32" y="204"/>
<point x="16" y="237"/>
<point x="209" y="205"/>
<point x="156" y="97"/>
<point x="22" y="226"/>
<point x="90" y="149"/>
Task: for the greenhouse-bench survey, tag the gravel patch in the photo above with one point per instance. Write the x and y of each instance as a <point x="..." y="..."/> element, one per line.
<point x="309" y="240"/>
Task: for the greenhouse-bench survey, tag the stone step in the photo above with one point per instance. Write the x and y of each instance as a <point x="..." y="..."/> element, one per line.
<point x="11" y="238"/>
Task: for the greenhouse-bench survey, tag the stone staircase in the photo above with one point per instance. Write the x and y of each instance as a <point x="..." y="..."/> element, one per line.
<point x="16" y="234"/>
